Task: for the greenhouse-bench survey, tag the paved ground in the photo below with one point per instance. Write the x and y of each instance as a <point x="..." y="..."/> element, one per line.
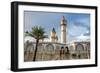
<point x="45" y="56"/>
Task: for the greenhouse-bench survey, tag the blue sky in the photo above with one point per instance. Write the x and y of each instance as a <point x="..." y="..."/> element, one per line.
<point x="78" y="24"/>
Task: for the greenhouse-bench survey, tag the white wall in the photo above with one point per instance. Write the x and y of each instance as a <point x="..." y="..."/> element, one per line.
<point x="5" y="17"/>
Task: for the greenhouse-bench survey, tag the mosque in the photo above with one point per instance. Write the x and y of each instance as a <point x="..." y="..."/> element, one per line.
<point x="54" y="50"/>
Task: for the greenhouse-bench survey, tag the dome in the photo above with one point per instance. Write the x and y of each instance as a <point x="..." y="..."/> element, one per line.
<point x="53" y="30"/>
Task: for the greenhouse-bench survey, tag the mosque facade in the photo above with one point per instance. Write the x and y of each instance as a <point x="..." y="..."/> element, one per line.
<point x="54" y="50"/>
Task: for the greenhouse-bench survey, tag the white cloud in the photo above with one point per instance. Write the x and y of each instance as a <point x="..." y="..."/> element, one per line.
<point x="30" y="39"/>
<point x="76" y="30"/>
<point x="82" y="37"/>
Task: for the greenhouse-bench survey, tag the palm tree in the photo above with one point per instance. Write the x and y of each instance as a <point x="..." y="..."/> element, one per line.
<point x="37" y="33"/>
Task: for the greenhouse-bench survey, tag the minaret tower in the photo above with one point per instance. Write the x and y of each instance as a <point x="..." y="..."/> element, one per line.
<point x="63" y="30"/>
<point x="53" y="36"/>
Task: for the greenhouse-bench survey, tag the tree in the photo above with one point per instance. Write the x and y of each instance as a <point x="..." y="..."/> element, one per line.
<point x="38" y="33"/>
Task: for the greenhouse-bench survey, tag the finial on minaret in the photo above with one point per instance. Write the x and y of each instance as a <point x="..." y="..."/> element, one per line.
<point x="63" y="18"/>
<point x="63" y="21"/>
<point x="53" y="30"/>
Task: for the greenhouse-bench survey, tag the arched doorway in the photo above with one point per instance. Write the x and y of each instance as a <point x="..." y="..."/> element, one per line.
<point x="62" y="53"/>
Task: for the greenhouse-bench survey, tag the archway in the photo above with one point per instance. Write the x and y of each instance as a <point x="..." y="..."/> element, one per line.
<point x="79" y="50"/>
<point x="49" y="52"/>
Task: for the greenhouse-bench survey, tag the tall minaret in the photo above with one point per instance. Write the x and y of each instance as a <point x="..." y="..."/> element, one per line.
<point x="63" y="30"/>
<point x="53" y="36"/>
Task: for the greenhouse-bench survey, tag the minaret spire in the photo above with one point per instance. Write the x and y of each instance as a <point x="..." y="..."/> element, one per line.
<point x="63" y="21"/>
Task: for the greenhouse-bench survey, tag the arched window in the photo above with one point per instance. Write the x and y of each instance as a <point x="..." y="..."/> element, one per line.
<point x="79" y="47"/>
<point x="49" y="48"/>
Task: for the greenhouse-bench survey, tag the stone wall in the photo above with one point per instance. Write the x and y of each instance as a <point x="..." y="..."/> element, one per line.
<point x="48" y="51"/>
